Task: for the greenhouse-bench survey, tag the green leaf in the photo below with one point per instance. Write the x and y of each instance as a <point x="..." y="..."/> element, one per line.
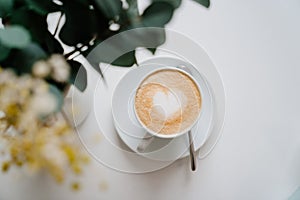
<point x="23" y="59"/>
<point x="130" y="18"/>
<point x="5" y="7"/>
<point x="205" y="3"/>
<point x="35" y="23"/>
<point x="127" y="41"/>
<point x="14" y="37"/>
<point x="126" y="60"/>
<point x="38" y="28"/>
<point x="78" y="75"/>
<point x="80" y="26"/>
<point x="174" y="3"/>
<point x="83" y="2"/>
<point x="58" y="95"/>
<point x="133" y="10"/>
<point x="102" y="24"/>
<point x="132" y="2"/>
<point x="113" y="51"/>
<point x="4" y="52"/>
<point x="52" y="45"/>
<point x="153" y="39"/>
<point x="152" y="50"/>
<point x="157" y="14"/>
<point x="110" y="8"/>
<point x="43" y="7"/>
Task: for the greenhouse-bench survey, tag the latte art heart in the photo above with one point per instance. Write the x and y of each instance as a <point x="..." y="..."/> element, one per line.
<point x="167" y="102"/>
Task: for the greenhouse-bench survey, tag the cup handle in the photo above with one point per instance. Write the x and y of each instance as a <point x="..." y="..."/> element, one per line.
<point x="145" y="142"/>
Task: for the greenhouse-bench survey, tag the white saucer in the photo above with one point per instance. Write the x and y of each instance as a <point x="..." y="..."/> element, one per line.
<point x="131" y="132"/>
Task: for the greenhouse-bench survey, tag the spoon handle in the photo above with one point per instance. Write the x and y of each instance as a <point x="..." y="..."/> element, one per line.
<point x="145" y="142"/>
<point x="192" y="151"/>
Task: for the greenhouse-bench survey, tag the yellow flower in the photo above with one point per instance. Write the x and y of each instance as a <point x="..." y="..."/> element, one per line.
<point x="41" y="69"/>
<point x="31" y="142"/>
<point x="5" y="166"/>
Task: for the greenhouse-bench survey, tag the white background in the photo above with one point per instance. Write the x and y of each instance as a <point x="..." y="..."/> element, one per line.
<point x="255" y="45"/>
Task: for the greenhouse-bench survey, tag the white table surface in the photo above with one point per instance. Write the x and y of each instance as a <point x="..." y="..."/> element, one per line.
<point x="255" y="45"/>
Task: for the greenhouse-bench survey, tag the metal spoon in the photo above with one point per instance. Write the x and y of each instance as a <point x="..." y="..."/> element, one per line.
<point x="191" y="142"/>
<point x="148" y="139"/>
<point x="145" y="142"/>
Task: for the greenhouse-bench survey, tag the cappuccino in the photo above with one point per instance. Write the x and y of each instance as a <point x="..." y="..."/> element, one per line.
<point x="168" y="101"/>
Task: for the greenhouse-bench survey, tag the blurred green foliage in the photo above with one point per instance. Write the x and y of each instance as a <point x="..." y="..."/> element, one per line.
<point x="26" y="38"/>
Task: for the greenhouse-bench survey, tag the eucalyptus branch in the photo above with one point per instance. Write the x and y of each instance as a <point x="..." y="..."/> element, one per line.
<point x="79" y="49"/>
<point x="68" y="55"/>
<point x="75" y="56"/>
<point x="58" y="23"/>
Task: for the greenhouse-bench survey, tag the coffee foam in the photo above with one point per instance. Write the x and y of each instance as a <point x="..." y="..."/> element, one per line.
<point x="168" y="101"/>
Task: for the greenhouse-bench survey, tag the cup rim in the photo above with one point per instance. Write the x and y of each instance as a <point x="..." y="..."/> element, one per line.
<point x="186" y="130"/>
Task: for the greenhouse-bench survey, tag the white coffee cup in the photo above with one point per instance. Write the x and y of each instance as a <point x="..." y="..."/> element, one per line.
<point x="181" y="132"/>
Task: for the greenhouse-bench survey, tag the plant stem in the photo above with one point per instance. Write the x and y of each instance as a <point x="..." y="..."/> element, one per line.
<point x="68" y="55"/>
<point x="58" y="23"/>
<point x="75" y="56"/>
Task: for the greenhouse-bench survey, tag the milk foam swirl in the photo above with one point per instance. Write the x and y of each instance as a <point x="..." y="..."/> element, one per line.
<point x="168" y="101"/>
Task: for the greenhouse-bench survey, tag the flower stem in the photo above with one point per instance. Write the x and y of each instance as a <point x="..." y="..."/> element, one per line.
<point x="58" y="23"/>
